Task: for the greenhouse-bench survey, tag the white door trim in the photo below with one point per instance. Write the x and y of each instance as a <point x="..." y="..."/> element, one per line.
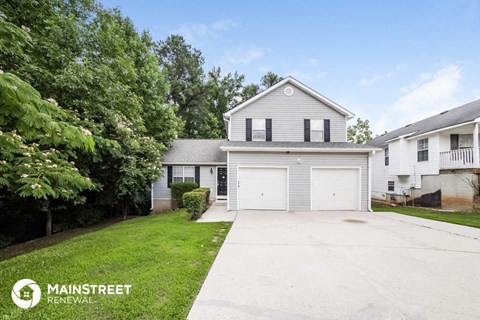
<point x="359" y="204"/>
<point x="264" y="167"/>
<point x="216" y="184"/>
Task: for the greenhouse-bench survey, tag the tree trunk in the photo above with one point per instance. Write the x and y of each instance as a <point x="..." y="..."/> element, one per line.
<point x="125" y="210"/>
<point x="48" y="228"/>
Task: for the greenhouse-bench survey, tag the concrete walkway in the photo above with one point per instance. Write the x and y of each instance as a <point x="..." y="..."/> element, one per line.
<point x="342" y="265"/>
<point x="217" y="213"/>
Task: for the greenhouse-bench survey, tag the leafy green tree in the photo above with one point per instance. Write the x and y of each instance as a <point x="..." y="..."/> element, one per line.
<point x="270" y="79"/>
<point x="223" y="93"/>
<point x="37" y="138"/>
<point x="249" y="91"/>
<point x="183" y="67"/>
<point x="37" y="144"/>
<point x="359" y="132"/>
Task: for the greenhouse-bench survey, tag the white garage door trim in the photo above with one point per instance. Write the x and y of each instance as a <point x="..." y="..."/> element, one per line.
<point x="264" y="167"/>
<point x="359" y="205"/>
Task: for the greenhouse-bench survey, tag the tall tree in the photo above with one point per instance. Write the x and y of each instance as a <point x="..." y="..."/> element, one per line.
<point x="183" y="67"/>
<point x="359" y="132"/>
<point x="37" y="138"/>
<point x="270" y="79"/>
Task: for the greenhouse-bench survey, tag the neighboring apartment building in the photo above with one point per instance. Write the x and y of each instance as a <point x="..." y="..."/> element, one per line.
<point x="286" y="150"/>
<point x="435" y="160"/>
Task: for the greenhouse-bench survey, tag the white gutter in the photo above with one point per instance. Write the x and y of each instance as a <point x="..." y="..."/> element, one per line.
<point x="442" y="129"/>
<point x="286" y="149"/>
<point x="400" y="137"/>
<point x="179" y="163"/>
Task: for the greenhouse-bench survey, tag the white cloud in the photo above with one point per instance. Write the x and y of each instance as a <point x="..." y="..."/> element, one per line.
<point x="430" y="94"/>
<point x="191" y="32"/>
<point x="366" y="82"/>
<point x="313" y="62"/>
<point x="244" y="56"/>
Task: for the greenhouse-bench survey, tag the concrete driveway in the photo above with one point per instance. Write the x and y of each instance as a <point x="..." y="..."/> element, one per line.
<point x="339" y="265"/>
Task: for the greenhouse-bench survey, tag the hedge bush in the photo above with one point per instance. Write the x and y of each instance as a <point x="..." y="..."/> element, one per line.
<point x="206" y="191"/>
<point x="195" y="203"/>
<point x="179" y="189"/>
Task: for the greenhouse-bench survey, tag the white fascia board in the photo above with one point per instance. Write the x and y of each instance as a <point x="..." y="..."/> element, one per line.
<point x="316" y="150"/>
<point x="297" y="83"/>
<point x="440" y="130"/>
<point x="400" y="137"/>
<point x="193" y="163"/>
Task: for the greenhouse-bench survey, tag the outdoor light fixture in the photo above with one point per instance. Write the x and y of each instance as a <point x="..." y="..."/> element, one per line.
<point x="211" y="170"/>
<point x="299" y="160"/>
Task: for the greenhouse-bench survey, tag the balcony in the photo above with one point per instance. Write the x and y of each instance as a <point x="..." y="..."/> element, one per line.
<point x="459" y="159"/>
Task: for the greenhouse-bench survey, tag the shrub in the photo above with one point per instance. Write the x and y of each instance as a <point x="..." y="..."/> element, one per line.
<point x="178" y="189"/>
<point x="195" y="203"/>
<point x="204" y="190"/>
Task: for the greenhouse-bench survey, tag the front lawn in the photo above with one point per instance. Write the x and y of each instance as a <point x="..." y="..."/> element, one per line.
<point x="165" y="259"/>
<point x="471" y="219"/>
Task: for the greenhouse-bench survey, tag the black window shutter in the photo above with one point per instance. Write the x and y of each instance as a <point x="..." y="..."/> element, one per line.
<point x="326" y="130"/>
<point x="169" y="175"/>
<point x="197" y="176"/>
<point x="248" y="130"/>
<point x="306" y="130"/>
<point x="453" y="141"/>
<point x="268" y="126"/>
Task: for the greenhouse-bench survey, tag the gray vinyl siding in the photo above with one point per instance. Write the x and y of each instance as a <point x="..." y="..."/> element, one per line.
<point x="299" y="174"/>
<point x="287" y="114"/>
<point x="160" y="188"/>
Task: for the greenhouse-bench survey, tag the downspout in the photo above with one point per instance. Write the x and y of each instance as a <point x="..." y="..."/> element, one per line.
<point x="151" y="197"/>
<point x="369" y="205"/>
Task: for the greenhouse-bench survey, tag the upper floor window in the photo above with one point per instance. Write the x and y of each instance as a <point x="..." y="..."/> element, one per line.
<point x="183" y="174"/>
<point x="465" y="141"/>
<point x="316" y="130"/>
<point x="387" y="156"/>
<point x="422" y="150"/>
<point x="258" y="130"/>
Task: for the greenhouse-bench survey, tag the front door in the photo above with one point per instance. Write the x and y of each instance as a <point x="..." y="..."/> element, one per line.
<point x="221" y="181"/>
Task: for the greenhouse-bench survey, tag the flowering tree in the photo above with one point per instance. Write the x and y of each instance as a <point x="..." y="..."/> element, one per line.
<point x="38" y="141"/>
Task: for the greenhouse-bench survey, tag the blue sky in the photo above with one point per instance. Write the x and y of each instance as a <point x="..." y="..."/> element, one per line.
<point x="392" y="62"/>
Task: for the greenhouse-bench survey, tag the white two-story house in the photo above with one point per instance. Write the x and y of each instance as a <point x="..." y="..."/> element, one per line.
<point x="286" y="150"/>
<point x="435" y="160"/>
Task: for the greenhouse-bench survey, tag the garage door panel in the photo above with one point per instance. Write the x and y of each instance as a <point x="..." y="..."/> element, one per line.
<point x="262" y="188"/>
<point x="335" y="188"/>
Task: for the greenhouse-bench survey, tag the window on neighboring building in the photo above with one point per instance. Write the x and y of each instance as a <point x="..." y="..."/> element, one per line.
<point x="422" y="150"/>
<point x="387" y="156"/>
<point x="183" y="174"/>
<point x="391" y="185"/>
<point x="316" y="130"/>
<point x="258" y="130"/>
<point x="465" y="141"/>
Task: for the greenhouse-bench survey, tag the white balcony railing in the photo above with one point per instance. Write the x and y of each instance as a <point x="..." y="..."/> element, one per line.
<point x="458" y="159"/>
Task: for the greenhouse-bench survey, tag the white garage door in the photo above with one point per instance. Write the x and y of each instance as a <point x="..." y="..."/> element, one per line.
<point x="335" y="189"/>
<point x="262" y="188"/>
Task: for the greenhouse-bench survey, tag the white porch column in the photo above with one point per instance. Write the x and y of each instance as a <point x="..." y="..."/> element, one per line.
<point x="476" y="152"/>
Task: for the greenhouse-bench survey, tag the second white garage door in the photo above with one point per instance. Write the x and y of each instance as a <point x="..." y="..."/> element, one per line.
<point x="335" y="189"/>
<point x="262" y="188"/>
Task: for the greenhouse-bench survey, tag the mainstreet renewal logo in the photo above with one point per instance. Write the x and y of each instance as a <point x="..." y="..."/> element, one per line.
<point x="26" y="293"/>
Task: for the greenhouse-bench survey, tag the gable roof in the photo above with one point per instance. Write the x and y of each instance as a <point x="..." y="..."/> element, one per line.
<point x="196" y="151"/>
<point x="460" y="115"/>
<point x="301" y="86"/>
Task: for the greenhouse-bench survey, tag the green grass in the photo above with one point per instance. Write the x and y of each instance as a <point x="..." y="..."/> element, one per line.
<point x="164" y="257"/>
<point x="471" y="219"/>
